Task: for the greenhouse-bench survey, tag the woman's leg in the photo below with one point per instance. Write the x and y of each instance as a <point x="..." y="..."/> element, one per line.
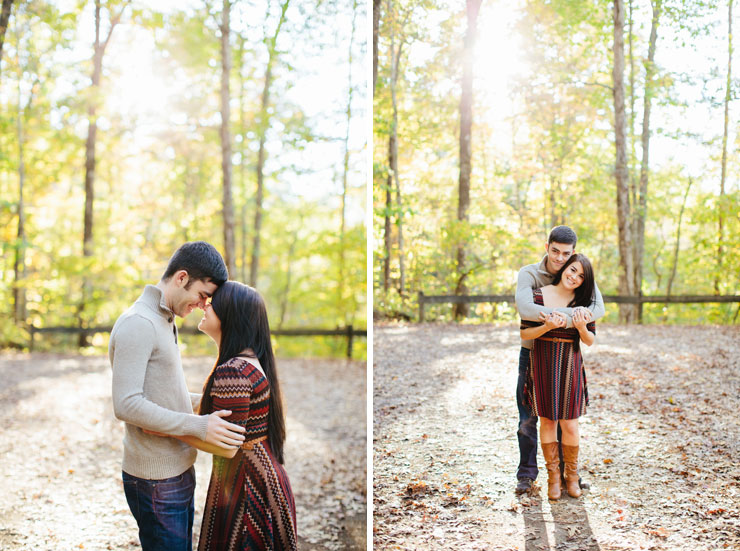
<point x="548" y="433"/>
<point x="548" y="430"/>
<point x="571" y="434"/>
<point x="571" y="438"/>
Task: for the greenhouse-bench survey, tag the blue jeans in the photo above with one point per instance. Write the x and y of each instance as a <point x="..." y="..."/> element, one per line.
<point x="163" y="509"/>
<point x="527" y="433"/>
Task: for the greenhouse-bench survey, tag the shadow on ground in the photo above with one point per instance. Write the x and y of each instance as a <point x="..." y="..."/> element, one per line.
<point x="658" y="444"/>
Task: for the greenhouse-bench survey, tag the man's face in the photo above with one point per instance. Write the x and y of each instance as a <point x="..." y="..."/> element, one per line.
<point x="557" y="255"/>
<point x="192" y="296"/>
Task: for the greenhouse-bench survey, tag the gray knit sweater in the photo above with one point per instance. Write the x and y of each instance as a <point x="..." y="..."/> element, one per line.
<point x="534" y="276"/>
<point x="149" y="390"/>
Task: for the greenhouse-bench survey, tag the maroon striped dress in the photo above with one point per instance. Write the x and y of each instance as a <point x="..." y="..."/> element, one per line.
<point x="555" y="387"/>
<point x="250" y="504"/>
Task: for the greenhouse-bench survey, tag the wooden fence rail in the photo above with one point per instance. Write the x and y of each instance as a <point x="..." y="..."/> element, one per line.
<point x="349" y="332"/>
<point x="461" y="299"/>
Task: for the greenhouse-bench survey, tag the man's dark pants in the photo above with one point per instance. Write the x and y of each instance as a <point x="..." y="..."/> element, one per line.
<point x="527" y="433"/>
<point x="164" y="510"/>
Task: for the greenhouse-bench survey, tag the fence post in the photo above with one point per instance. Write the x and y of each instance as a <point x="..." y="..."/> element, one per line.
<point x="350" y="331"/>
<point x="31" y="332"/>
<point x="421" y="306"/>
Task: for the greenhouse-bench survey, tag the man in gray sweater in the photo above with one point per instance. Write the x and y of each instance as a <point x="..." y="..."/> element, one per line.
<point x="561" y="244"/>
<point x="150" y="394"/>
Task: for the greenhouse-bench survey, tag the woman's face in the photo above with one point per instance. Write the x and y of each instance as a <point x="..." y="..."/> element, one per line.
<point x="210" y="324"/>
<point x="573" y="276"/>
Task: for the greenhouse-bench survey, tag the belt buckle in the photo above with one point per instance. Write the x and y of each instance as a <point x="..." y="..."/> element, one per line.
<point x="252" y="443"/>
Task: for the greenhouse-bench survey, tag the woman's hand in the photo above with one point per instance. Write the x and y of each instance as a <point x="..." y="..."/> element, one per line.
<point x="554" y="320"/>
<point x="586" y="312"/>
<point x="549" y="321"/>
<point x="580" y="319"/>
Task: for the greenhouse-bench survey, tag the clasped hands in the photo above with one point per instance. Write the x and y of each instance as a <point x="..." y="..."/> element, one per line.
<point x="581" y="316"/>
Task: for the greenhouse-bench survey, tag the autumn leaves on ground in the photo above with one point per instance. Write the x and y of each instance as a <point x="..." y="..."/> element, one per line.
<point x="659" y="443"/>
<point x="61" y="447"/>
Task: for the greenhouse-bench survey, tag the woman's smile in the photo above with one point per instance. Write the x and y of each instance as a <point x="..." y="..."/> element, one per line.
<point x="573" y="276"/>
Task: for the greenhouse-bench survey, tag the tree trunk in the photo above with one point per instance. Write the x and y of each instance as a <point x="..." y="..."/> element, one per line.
<point x="656" y="269"/>
<point x="376" y="28"/>
<point x="387" y="235"/>
<point x="19" y="266"/>
<point x="243" y="163"/>
<point x="641" y="207"/>
<point x="675" y="252"/>
<point x="92" y="131"/>
<point x="345" y="178"/>
<point x="632" y="140"/>
<point x="259" y="196"/>
<point x="466" y="125"/>
<point x="552" y="200"/>
<point x="226" y="167"/>
<point x="626" y="280"/>
<point x="393" y="177"/>
<point x="288" y="276"/>
<point x="4" y="19"/>
<point x="263" y="125"/>
<point x="399" y="215"/>
<point x="720" y="210"/>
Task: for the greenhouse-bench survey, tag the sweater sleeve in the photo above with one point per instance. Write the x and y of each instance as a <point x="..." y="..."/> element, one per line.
<point x="597" y="306"/>
<point x="131" y="349"/>
<point x="528" y="310"/>
<point x="232" y="390"/>
<point x="195" y="399"/>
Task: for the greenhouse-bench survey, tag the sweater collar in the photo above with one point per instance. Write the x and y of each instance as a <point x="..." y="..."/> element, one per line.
<point x="542" y="269"/>
<point x="154" y="298"/>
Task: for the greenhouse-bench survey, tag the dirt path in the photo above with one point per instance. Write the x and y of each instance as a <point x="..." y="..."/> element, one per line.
<point x="60" y="452"/>
<point x="659" y="444"/>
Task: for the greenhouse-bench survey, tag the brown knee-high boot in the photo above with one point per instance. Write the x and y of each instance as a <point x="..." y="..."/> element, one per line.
<point x="570" y="457"/>
<point x="552" y="461"/>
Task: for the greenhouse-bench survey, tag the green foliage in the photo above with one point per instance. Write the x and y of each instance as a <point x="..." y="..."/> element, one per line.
<point x="548" y="159"/>
<point x="158" y="176"/>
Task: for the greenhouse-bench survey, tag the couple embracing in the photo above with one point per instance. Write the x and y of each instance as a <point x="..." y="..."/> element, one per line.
<point x="558" y="301"/>
<point x="239" y="415"/>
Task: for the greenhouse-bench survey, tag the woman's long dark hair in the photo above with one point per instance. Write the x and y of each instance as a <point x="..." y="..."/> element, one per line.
<point x="244" y="325"/>
<point x="584" y="293"/>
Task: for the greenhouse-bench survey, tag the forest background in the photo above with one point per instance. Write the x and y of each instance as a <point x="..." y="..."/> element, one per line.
<point x="128" y="128"/>
<point x="495" y="121"/>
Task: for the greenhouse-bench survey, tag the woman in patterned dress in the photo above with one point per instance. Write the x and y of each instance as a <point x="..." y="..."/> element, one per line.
<point x="556" y="380"/>
<point x="250" y="503"/>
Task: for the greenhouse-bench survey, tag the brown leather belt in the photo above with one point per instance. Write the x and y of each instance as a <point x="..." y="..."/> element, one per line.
<point x="554" y="339"/>
<point x="249" y="445"/>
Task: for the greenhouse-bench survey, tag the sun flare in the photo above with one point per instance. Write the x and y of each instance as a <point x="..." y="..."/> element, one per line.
<point x="498" y="62"/>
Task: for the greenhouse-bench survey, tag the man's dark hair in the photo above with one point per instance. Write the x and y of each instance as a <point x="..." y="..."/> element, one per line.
<point x="564" y="235"/>
<point x="200" y="260"/>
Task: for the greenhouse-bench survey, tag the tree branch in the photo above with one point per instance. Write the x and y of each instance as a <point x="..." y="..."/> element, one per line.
<point x="113" y="22"/>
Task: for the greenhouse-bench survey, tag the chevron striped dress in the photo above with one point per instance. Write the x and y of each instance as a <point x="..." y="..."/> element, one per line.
<point x="250" y="504"/>
<point x="555" y="387"/>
